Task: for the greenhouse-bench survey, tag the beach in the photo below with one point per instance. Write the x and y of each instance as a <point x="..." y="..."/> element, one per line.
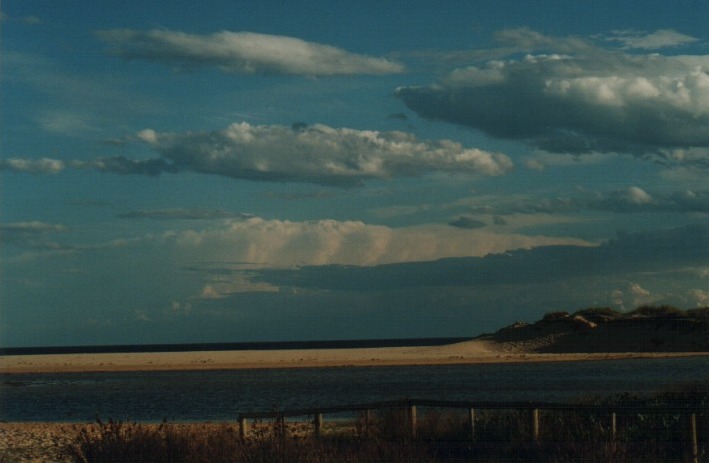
<point x="40" y="442"/>
<point x="469" y="352"/>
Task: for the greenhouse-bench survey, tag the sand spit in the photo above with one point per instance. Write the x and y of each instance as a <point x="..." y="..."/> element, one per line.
<point x="469" y="352"/>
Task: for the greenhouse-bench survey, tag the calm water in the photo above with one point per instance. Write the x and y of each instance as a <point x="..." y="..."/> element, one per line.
<point x="221" y="395"/>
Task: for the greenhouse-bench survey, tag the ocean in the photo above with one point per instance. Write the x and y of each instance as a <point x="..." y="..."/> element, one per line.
<point x="185" y="396"/>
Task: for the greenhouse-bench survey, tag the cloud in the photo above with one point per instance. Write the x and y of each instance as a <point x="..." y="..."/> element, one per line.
<point x="631" y="199"/>
<point x="699" y="297"/>
<point x="33" y="235"/>
<point x="634" y="295"/>
<point x="633" y="253"/>
<point x="313" y="154"/>
<point x="32" y="166"/>
<point x="661" y="38"/>
<point x="182" y="214"/>
<point x="634" y="199"/>
<point x="468" y="223"/>
<point x="584" y="100"/>
<point x="242" y="53"/>
<point x="282" y="243"/>
<point x="320" y="154"/>
<point x="123" y="166"/>
<point x="29" y="20"/>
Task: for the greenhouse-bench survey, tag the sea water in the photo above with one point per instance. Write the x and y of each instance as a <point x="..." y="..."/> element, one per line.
<point x="221" y="395"/>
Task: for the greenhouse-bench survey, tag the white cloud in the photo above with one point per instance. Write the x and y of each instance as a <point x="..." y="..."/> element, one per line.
<point x="312" y="154"/>
<point x="318" y="154"/>
<point x="243" y="53"/>
<point x="632" y="296"/>
<point x="585" y="100"/>
<point x="699" y="297"/>
<point x="631" y="199"/>
<point x="32" y="166"/>
<point x="661" y="38"/>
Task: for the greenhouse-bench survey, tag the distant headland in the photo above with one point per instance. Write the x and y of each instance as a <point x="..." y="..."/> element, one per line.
<point x="604" y="330"/>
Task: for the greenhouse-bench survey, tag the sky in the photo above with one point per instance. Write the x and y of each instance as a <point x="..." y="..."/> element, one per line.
<point x="229" y="171"/>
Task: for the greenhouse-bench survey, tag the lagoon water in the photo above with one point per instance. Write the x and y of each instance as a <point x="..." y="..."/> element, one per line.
<point x="222" y="395"/>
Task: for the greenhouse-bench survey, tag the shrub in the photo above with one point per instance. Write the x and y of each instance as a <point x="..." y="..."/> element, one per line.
<point x="558" y="315"/>
<point x="701" y="313"/>
<point x="657" y="311"/>
<point x="592" y="312"/>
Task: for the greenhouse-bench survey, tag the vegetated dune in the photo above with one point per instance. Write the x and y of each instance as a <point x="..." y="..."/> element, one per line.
<point x="647" y="329"/>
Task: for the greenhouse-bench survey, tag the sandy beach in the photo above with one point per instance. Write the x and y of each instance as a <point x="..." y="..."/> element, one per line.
<point x="470" y="352"/>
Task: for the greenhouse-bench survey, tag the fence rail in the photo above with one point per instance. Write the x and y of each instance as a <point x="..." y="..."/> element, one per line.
<point x="533" y="408"/>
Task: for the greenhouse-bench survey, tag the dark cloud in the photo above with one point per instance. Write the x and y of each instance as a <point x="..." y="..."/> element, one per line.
<point x="497" y="220"/>
<point x="585" y="100"/>
<point x="122" y="165"/>
<point x="627" y="200"/>
<point x="242" y="53"/>
<point x="638" y="252"/>
<point x="469" y="223"/>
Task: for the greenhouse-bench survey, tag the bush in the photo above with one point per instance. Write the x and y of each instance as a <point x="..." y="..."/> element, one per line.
<point x="598" y="311"/>
<point x="558" y="315"/>
<point x="701" y="313"/>
<point x="657" y="311"/>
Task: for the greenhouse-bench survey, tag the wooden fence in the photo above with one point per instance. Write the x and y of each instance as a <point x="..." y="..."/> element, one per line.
<point x="689" y="415"/>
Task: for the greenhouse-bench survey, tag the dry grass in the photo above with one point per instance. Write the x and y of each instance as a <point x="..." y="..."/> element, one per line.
<point x="441" y="436"/>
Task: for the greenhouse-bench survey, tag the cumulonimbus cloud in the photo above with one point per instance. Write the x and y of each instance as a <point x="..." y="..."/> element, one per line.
<point x="584" y="100"/>
<point x="312" y="154"/>
<point x="680" y="247"/>
<point x="243" y="53"/>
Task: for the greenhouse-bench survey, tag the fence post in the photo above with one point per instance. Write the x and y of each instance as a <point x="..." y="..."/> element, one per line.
<point x="318" y="424"/>
<point x="367" y="422"/>
<point x="614" y="427"/>
<point x="471" y="417"/>
<point x="243" y="427"/>
<point x="412" y="420"/>
<point x="693" y="449"/>
<point x="535" y="425"/>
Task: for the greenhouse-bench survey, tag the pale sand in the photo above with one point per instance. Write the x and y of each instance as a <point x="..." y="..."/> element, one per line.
<point x="470" y="352"/>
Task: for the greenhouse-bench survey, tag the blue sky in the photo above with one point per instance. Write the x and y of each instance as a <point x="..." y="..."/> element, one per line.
<point x="245" y="171"/>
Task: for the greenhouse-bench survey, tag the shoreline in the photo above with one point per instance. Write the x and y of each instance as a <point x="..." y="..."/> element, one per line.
<point x="469" y="352"/>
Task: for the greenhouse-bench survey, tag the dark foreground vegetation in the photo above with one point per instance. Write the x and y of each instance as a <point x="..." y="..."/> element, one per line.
<point x="441" y="436"/>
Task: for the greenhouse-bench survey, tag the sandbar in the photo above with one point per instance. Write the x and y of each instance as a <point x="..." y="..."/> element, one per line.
<point x="468" y="352"/>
